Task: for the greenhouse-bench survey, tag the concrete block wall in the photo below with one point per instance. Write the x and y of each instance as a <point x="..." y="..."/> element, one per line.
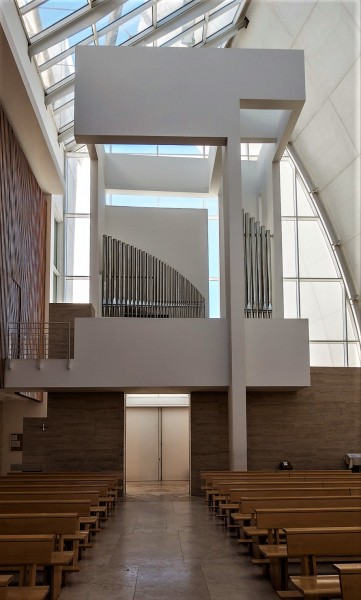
<point x="58" y="335"/>
<point x="82" y="432"/>
<point x="209" y="435"/>
<point x="313" y="427"/>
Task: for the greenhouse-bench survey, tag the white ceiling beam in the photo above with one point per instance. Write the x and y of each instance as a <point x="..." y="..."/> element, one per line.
<point x="31" y="6"/>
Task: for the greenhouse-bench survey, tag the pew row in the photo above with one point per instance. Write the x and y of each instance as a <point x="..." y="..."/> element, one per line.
<point x="26" y="554"/>
<point x="310" y="546"/>
<point x="65" y="527"/>
<point x="312" y="543"/>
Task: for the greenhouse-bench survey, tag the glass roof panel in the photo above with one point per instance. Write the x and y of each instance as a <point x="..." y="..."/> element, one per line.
<point x="129" y="29"/>
<point x="190" y="39"/>
<point x="304" y="208"/>
<point x="50" y="13"/>
<point x="63" y="46"/>
<point x="221" y="5"/>
<point x="221" y="22"/>
<point x="174" y="150"/>
<point x="125" y="9"/>
<point x="182" y="23"/>
<point x="64" y="118"/>
<point x="61" y="101"/>
<point x="169" y="36"/>
<point x="59" y="71"/>
<point x="167" y="7"/>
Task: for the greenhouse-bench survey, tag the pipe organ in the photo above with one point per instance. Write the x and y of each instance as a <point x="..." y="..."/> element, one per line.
<point x="137" y="284"/>
<point x="257" y="269"/>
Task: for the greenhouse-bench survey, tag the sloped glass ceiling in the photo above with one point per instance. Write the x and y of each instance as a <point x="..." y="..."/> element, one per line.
<point x="55" y="27"/>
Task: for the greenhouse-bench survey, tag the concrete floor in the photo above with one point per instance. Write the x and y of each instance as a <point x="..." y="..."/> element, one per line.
<point x="160" y="544"/>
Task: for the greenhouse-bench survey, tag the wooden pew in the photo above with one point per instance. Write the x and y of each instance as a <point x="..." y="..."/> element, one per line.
<point x="236" y="496"/>
<point x="248" y="506"/>
<point x="270" y="522"/>
<point x="312" y="543"/>
<point x="223" y="488"/>
<point x="106" y="489"/>
<point x="350" y="580"/>
<point x="220" y="489"/>
<point x="275" y="519"/>
<point x="105" y="498"/>
<point x="81" y="507"/>
<point x="91" y="495"/>
<point x="24" y="593"/>
<point x="5" y="580"/>
<point x="26" y="553"/>
<point x="64" y="526"/>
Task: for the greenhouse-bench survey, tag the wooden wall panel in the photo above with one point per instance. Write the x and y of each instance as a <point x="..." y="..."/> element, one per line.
<point x="22" y="239"/>
<point x="84" y="431"/>
<point x="313" y="428"/>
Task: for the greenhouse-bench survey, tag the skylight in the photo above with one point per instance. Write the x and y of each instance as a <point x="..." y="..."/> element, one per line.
<point x="55" y="27"/>
<point x="158" y="150"/>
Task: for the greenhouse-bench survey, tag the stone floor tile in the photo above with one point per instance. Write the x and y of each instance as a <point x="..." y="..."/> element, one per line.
<point x="171" y="582"/>
<point x="164" y="545"/>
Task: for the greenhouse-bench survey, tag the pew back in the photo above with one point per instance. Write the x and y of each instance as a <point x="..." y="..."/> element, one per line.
<point x="248" y="505"/>
<point x="46" y="523"/>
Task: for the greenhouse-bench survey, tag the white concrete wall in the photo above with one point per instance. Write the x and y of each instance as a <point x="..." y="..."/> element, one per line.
<point x="178" y="236"/>
<point x="157" y="173"/>
<point x="250" y="188"/>
<point x="163" y="354"/>
<point x="277" y="353"/>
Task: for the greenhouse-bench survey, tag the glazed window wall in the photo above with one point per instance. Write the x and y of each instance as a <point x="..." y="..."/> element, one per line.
<point x="312" y="284"/>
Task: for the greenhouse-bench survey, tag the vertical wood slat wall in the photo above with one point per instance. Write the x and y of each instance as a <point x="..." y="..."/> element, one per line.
<point x="22" y="239"/>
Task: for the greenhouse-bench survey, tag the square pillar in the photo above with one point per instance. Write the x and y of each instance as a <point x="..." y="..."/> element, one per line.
<point x="234" y="287"/>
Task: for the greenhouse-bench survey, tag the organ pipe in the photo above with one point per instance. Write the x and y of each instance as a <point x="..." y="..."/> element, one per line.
<point x="257" y="269"/>
<point x="136" y="284"/>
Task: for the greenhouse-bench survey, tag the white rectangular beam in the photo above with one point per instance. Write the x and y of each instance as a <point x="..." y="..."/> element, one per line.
<point x="177" y="95"/>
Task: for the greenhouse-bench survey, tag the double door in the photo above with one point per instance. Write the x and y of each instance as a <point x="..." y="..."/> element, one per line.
<point x="157" y="444"/>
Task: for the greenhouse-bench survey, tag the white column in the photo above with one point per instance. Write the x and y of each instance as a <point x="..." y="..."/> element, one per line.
<point x="234" y="285"/>
<point x="94" y="238"/>
<point x="277" y="263"/>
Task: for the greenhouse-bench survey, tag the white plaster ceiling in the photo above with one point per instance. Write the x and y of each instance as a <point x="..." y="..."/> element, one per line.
<point x="327" y="135"/>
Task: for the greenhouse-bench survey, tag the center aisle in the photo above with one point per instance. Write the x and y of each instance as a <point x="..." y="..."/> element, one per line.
<point x="164" y="545"/>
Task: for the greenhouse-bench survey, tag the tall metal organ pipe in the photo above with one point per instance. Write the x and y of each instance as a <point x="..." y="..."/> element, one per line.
<point x="136" y="284"/>
<point x="257" y="269"/>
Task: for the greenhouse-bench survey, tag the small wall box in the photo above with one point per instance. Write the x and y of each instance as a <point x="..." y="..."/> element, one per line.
<point x="16" y="442"/>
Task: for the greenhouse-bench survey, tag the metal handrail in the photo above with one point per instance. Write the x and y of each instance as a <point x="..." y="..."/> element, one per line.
<point x="39" y="340"/>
